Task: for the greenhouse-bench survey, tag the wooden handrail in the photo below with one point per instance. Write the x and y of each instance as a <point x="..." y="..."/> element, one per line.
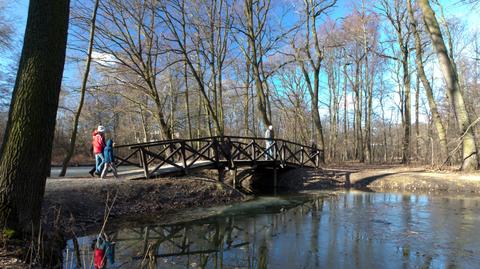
<point x="220" y="151"/>
<point x="207" y="138"/>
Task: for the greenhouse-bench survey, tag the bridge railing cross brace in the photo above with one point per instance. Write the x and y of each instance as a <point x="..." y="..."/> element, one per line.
<point x="216" y="152"/>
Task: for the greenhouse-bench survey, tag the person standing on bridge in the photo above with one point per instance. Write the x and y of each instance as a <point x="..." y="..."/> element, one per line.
<point x="98" y="143"/>
<point x="269" y="135"/>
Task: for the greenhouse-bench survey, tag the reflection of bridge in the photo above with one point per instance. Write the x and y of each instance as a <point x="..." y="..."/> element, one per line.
<point x="238" y="238"/>
<point x="171" y="156"/>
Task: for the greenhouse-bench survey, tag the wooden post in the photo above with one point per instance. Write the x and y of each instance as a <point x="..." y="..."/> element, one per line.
<point x="209" y="151"/>
<point x="216" y="152"/>
<point x="254" y="151"/>
<point x="301" y="156"/>
<point x="143" y="156"/>
<point x="347" y="180"/>
<point x="234" y="178"/>
<point x="275" y="180"/>
<point x="184" y="157"/>
<point x="140" y="158"/>
<point x="274" y="145"/>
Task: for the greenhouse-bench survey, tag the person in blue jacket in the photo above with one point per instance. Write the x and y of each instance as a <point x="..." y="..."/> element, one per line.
<point x="109" y="159"/>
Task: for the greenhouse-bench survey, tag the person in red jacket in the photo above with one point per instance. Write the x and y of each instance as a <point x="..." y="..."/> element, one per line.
<point x="98" y="144"/>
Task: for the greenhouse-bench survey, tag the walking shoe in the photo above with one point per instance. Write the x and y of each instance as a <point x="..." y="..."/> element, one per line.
<point x="91" y="173"/>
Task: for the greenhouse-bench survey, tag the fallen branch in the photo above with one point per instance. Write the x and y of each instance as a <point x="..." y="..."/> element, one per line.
<point x="460" y="139"/>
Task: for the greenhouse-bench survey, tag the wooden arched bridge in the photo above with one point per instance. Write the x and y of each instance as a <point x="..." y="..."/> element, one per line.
<point x="217" y="152"/>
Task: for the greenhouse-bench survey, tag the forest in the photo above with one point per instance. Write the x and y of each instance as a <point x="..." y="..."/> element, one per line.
<point x="364" y="82"/>
<point x="387" y="81"/>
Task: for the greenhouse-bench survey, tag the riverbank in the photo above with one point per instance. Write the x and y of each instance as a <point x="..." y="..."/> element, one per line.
<point x="416" y="180"/>
<point x="83" y="200"/>
<point x="76" y="206"/>
<point x="382" y="178"/>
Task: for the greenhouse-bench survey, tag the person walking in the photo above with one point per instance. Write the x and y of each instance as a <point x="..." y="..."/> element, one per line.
<point x="269" y="135"/>
<point x="109" y="159"/>
<point x="98" y="144"/>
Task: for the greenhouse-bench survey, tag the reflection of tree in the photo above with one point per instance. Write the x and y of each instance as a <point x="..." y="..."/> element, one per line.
<point x="263" y="255"/>
<point x="317" y="207"/>
<point x="243" y="241"/>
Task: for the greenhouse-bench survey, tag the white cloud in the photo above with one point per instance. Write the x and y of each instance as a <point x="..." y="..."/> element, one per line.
<point x="104" y="59"/>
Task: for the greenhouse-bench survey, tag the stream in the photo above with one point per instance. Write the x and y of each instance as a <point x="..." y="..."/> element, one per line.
<point x="322" y="229"/>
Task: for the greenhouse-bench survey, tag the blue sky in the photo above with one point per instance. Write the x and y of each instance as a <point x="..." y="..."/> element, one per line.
<point x="18" y="9"/>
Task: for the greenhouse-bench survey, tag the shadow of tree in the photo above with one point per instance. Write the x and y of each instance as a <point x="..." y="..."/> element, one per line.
<point x="364" y="182"/>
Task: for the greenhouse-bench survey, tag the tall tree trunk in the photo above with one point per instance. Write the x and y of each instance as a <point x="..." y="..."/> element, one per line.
<point x="437" y="120"/>
<point x="185" y="74"/>
<point x="345" y="115"/>
<point x="187" y="102"/>
<point x="83" y="88"/>
<point x="145" y="128"/>
<point x="359" y="154"/>
<point x="253" y="58"/>
<point x="406" y="151"/>
<point x="162" y="122"/>
<point x="369" y="91"/>
<point x="27" y="145"/>
<point x="470" y="158"/>
<point x="246" y="96"/>
<point x="417" y="115"/>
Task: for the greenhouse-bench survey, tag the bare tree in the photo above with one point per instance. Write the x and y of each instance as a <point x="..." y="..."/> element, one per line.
<point x="470" y="158"/>
<point x="310" y="58"/>
<point x="437" y="120"/>
<point x="208" y="43"/>
<point x="136" y="55"/>
<point x="83" y="88"/>
<point x="398" y="18"/>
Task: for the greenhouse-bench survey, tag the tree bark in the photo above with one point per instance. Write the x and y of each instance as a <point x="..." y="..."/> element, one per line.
<point x="406" y="149"/>
<point x="26" y="151"/>
<point x="437" y="120"/>
<point x="253" y="58"/>
<point x="470" y="158"/>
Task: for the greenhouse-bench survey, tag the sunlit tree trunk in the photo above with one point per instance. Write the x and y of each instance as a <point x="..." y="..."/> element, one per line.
<point x="252" y="35"/>
<point x="417" y="116"/>
<point x="437" y="120"/>
<point x="470" y="158"/>
<point x="185" y="75"/>
<point x="246" y="96"/>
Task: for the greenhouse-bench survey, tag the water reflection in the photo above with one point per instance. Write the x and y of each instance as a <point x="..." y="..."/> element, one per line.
<point x="344" y="230"/>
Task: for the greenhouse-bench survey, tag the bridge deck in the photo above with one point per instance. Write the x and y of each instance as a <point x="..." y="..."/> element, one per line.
<point x="172" y="156"/>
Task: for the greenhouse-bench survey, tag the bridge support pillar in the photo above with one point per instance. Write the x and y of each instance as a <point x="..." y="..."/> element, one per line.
<point x="234" y="184"/>
<point x="275" y="180"/>
<point x="347" y="180"/>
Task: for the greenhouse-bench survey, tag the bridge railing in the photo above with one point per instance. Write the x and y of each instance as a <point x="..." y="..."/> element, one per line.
<point x="231" y="151"/>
